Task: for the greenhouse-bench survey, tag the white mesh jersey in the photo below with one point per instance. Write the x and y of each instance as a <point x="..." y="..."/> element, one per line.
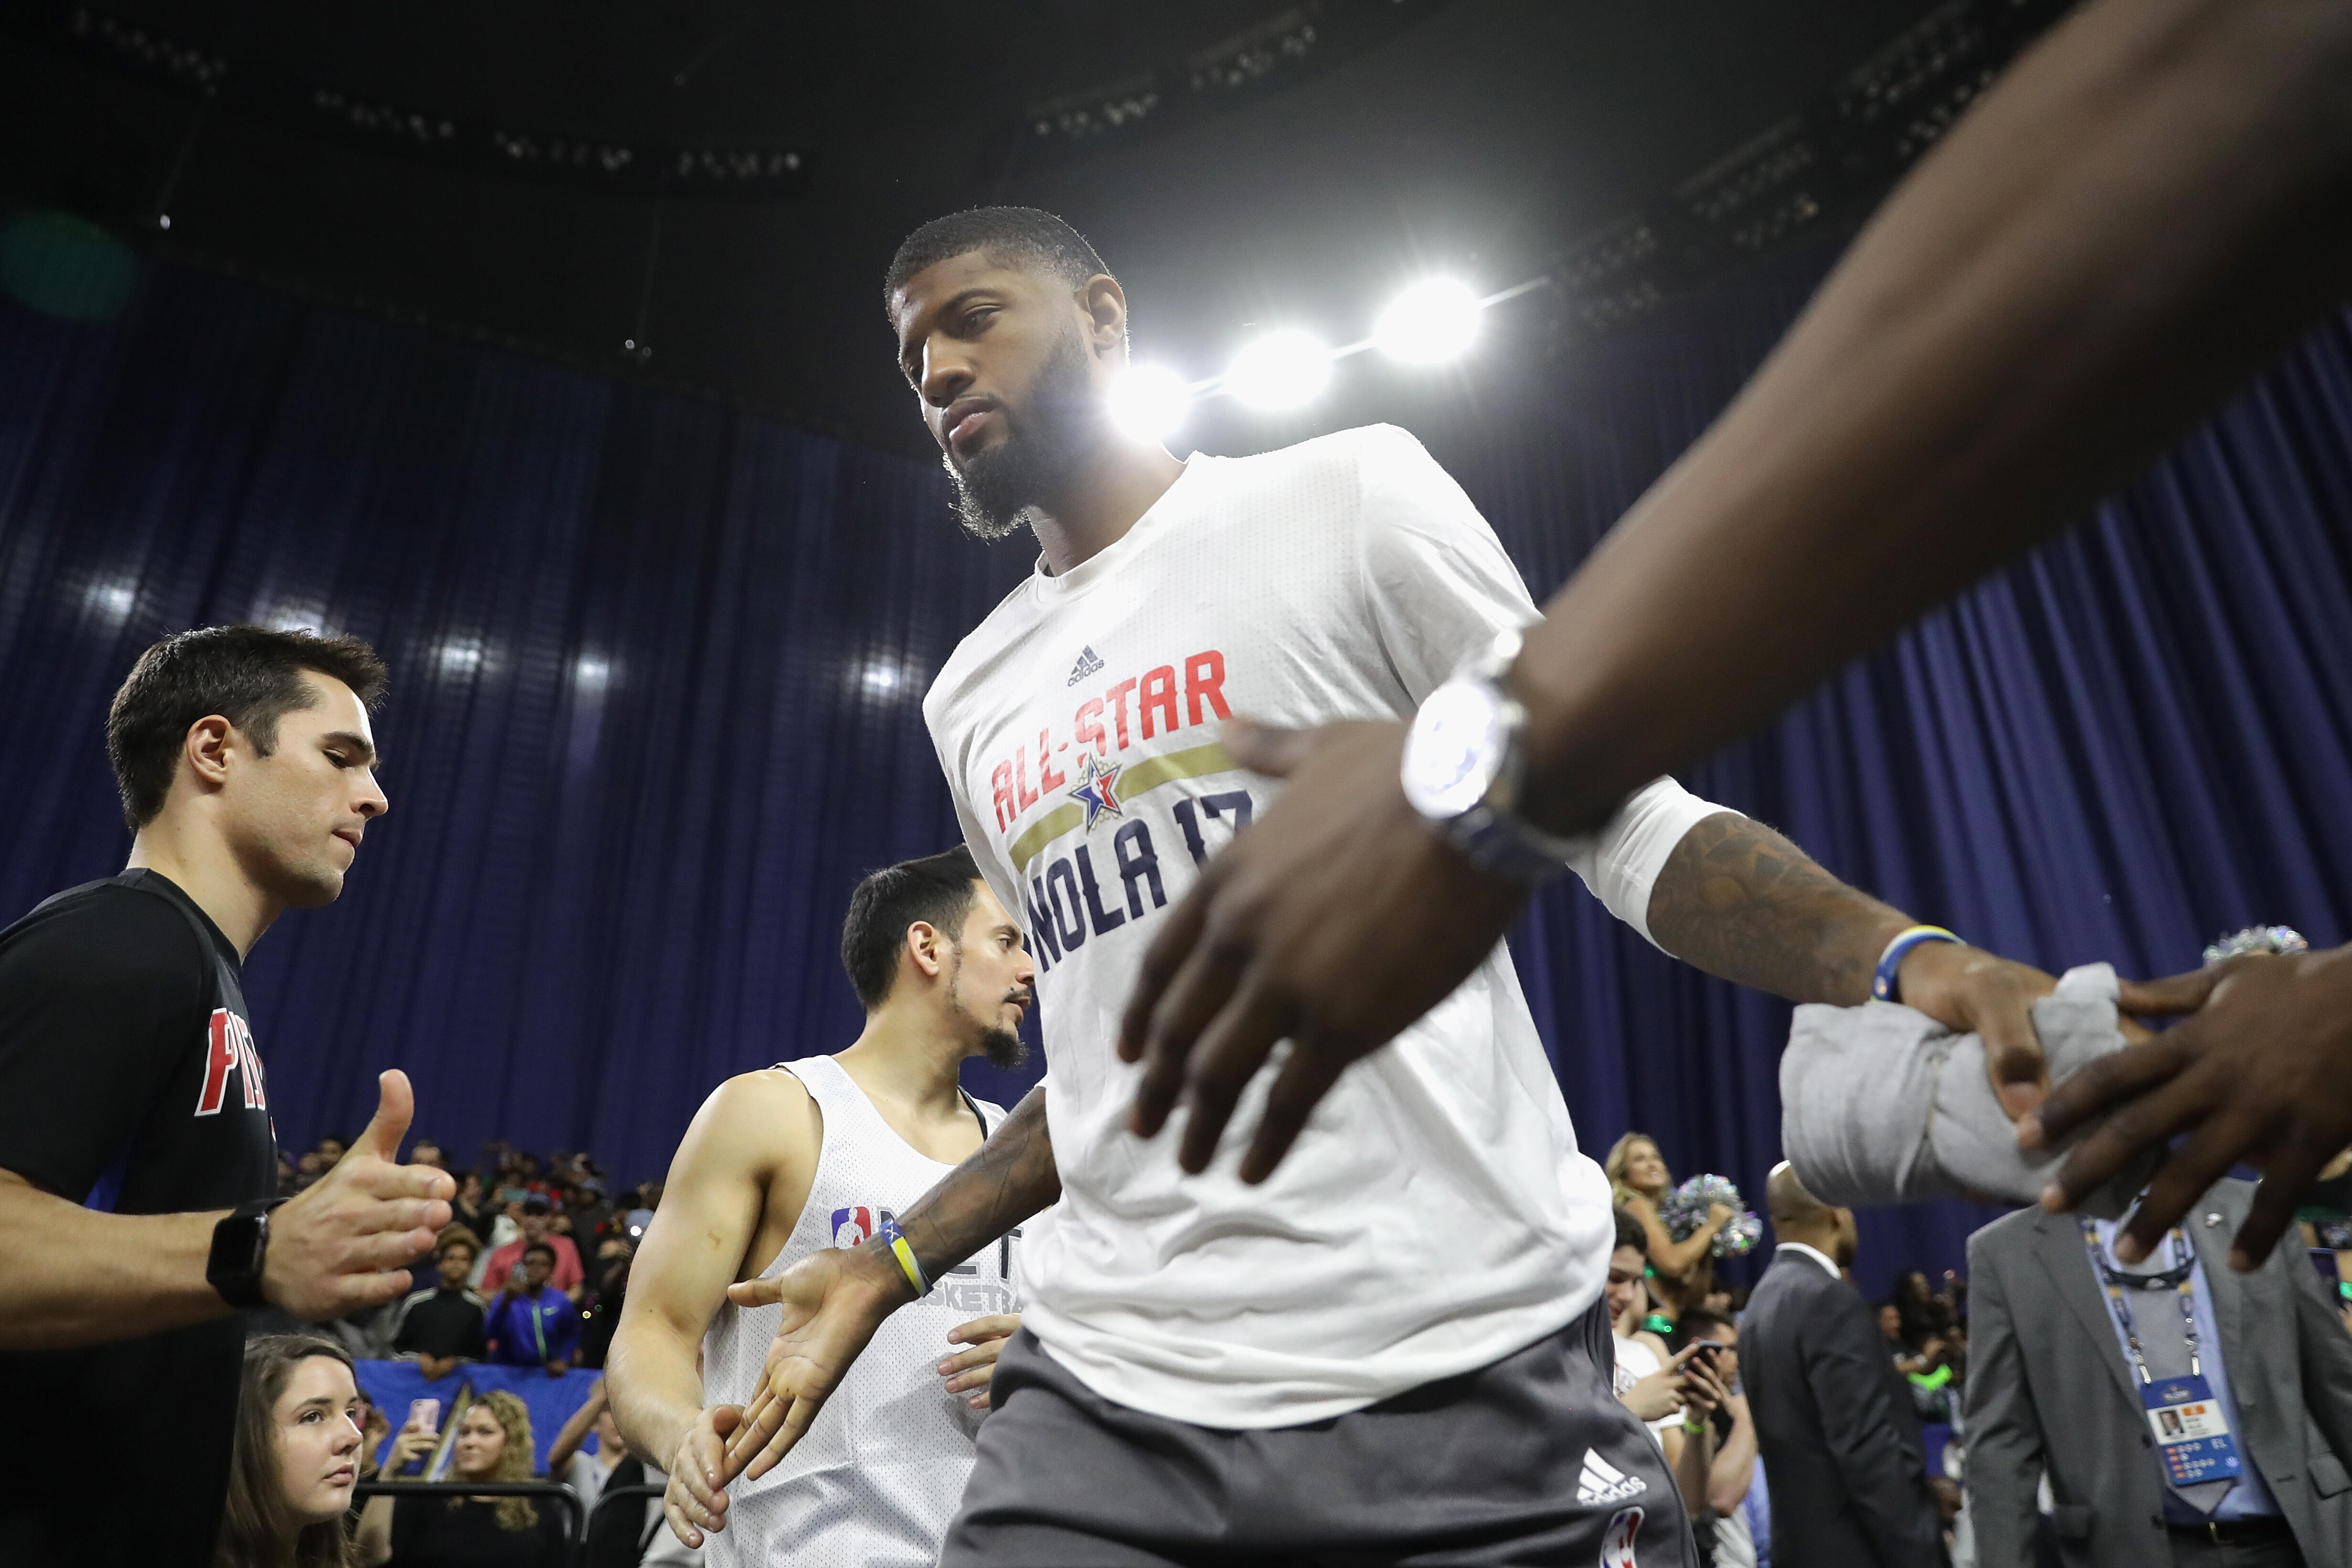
<point x="878" y="1477"/>
<point x="1435" y="1214"/>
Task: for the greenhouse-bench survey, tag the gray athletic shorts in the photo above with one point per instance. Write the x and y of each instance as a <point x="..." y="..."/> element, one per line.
<point x="1531" y="1460"/>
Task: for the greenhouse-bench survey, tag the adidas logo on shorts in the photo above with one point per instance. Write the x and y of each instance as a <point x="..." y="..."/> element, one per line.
<point x="1602" y="1482"/>
<point x="1089" y="663"/>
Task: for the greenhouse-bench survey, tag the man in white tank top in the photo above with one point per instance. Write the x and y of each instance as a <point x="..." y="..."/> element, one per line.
<point x="827" y="1151"/>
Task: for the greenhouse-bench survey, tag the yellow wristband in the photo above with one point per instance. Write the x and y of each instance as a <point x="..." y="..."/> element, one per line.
<point x="914" y="1270"/>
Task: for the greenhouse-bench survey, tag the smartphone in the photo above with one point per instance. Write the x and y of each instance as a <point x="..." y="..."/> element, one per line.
<point x="1709" y="1351"/>
<point x="425" y="1414"/>
<point x="516" y="1278"/>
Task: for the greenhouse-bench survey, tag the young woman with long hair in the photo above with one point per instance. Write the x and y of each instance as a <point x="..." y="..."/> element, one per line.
<point x="295" y="1458"/>
<point x="493" y="1443"/>
<point x="1638" y="1180"/>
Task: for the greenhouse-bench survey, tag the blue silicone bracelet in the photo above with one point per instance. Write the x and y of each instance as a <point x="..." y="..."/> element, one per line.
<point x="1882" y="981"/>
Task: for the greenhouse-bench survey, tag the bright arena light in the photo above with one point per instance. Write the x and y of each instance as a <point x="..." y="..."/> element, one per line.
<point x="1149" y="402"/>
<point x="1432" y="321"/>
<point x="1281" y="370"/>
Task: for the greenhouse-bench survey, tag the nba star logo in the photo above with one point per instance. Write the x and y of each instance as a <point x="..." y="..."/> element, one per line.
<point x="1617" y="1546"/>
<point x="852" y="1227"/>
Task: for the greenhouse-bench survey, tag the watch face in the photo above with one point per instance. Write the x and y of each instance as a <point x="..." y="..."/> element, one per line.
<point x="1457" y="744"/>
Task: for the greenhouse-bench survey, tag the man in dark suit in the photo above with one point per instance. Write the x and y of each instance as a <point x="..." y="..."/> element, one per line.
<point x="1841" y="1451"/>
<point x="2052" y="1387"/>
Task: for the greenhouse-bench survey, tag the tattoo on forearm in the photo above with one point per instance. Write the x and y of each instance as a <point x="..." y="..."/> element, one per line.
<point x="1006" y="1180"/>
<point x="1737" y="899"/>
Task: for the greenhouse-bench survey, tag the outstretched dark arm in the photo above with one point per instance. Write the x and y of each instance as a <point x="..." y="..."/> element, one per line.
<point x="1737" y="899"/>
<point x="834" y="1300"/>
<point x="1006" y="1180"/>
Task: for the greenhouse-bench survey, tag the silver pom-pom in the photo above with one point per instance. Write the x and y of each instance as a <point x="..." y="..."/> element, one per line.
<point x="1684" y="1210"/>
<point x="2257" y="939"/>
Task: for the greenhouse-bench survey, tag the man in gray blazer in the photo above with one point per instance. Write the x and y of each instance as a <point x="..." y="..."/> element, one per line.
<point x="2051" y="1386"/>
<point x="1843" y="1456"/>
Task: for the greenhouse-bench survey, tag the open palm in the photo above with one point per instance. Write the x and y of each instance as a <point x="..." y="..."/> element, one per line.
<point x="833" y="1302"/>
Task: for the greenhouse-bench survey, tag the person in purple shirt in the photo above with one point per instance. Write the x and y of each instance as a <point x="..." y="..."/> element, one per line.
<point x="529" y="1323"/>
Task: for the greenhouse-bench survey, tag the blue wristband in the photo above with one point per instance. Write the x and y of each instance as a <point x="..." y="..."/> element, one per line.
<point x="1882" y="981"/>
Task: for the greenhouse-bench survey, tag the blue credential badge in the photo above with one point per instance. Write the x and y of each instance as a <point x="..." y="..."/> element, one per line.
<point x="2190" y="1430"/>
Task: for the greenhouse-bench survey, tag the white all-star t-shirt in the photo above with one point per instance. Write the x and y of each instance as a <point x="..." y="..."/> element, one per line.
<point x="1435" y="1213"/>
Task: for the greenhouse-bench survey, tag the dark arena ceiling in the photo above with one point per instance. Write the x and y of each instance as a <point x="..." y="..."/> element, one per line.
<point x="702" y="193"/>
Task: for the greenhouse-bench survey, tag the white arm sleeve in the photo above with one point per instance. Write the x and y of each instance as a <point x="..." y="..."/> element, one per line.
<point x="1621" y="862"/>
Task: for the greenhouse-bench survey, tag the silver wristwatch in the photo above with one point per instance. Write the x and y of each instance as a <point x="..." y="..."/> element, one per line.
<point x="1464" y="762"/>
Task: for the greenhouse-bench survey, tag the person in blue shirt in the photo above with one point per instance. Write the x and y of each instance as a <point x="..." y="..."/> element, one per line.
<point x="529" y="1324"/>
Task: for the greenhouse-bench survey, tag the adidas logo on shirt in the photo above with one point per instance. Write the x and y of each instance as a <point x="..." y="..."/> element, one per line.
<point x="1602" y="1482"/>
<point x="1089" y="663"/>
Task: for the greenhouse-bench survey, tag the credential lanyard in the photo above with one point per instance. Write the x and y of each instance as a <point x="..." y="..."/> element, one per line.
<point x="2184" y="1265"/>
<point x="2185" y="1420"/>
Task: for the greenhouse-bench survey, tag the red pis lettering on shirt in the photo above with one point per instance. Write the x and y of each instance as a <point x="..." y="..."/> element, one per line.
<point x="229" y="1049"/>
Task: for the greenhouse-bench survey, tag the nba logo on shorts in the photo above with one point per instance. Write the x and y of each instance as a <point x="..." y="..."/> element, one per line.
<point x="852" y="1228"/>
<point x="1617" y="1546"/>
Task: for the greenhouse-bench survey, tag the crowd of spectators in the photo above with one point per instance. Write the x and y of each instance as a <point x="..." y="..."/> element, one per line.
<point x="1668" y="1308"/>
<point x="530" y="1271"/>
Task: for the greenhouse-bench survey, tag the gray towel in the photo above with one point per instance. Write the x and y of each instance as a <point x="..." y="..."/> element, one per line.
<point x="1881" y="1104"/>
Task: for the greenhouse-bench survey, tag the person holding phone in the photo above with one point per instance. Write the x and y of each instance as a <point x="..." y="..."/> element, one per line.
<point x="529" y="1323"/>
<point x="1731" y="1467"/>
<point x="492" y="1443"/>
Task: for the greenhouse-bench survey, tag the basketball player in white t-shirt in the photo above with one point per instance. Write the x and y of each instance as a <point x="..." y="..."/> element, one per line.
<point x="825" y="1151"/>
<point x="1389" y="1345"/>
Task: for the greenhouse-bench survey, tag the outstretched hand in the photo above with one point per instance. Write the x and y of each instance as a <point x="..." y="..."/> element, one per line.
<point x="833" y="1302"/>
<point x="1972" y="992"/>
<point x="2255" y="1072"/>
<point x="1336" y="920"/>
<point x="696" y="1499"/>
<point x="975" y="1368"/>
<point x="344" y="1243"/>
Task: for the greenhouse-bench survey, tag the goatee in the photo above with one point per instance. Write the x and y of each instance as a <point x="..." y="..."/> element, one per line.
<point x="1003" y="1048"/>
<point x="994" y="489"/>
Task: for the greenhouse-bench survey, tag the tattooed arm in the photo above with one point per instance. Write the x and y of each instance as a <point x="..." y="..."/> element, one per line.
<point x="835" y="1300"/>
<point x="1006" y="1180"/>
<point x="1737" y="899"/>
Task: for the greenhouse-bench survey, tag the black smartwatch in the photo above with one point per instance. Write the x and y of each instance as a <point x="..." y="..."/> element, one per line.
<point x="240" y="1243"/>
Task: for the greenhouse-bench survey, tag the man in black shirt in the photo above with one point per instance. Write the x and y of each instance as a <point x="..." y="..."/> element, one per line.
<point x="137" y="1157"/>
<point x="443" y="1324"/>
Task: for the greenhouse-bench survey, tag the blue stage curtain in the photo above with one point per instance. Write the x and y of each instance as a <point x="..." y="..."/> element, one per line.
<point x="657" y="670"/>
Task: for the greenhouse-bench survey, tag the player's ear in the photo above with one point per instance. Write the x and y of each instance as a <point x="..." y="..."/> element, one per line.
<point x="206" y="748"/>
<point x="926" y="949"/>
<point x="1104" y="304"/>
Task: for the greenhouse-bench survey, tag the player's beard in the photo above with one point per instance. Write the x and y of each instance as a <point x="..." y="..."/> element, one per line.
<point x="994" y="489"/>
<point x="1003" y="1048"/>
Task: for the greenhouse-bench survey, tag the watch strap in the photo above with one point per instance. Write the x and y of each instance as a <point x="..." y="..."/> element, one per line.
<point x="241" y="1248"/>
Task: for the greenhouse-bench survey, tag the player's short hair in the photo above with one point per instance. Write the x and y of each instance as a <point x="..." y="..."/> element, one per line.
<point x="1027" y="238"/>
<point x="538" y="1246"/>
<point x="250" y="676"/>
<point x="936" y="890"/>
<point x="1630" y="1234"/>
